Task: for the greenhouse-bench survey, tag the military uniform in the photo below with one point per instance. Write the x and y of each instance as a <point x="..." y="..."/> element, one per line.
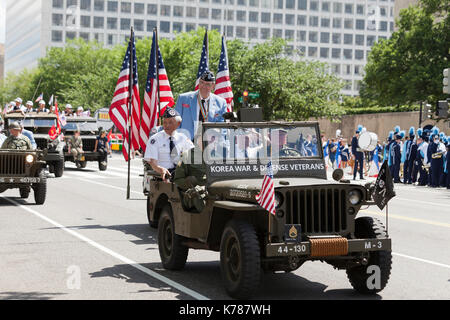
<point x="76" y="147"/>
<point x="190" y="177"/>
<point x="18" y="143"/>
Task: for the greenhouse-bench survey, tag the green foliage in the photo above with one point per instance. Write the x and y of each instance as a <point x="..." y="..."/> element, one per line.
<point x="357" y="105"/>
<point x="407" y="68"/>
<point x="86" y="74"/>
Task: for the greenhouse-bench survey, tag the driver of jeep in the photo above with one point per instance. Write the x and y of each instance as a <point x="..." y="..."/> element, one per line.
<point x="279" y="150"/>
<point x="164" y="148"/>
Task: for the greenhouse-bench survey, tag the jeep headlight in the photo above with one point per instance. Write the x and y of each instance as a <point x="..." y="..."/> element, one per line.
<point x="354" y="196"/>
<point x="278" y="199"/>
<point x="29" y="158"/>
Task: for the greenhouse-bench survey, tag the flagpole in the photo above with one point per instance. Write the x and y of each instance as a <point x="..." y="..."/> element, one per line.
<point x="157" y="73"/>
<point x="130" y="118"/>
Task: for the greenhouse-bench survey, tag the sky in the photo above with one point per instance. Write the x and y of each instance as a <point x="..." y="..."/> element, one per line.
<point x="2" y="20"/>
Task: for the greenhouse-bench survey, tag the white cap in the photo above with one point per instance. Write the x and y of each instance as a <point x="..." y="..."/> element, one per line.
<point x="18" y="100"/>
<point x="29" y="103"/>
<point x="13" y="103"/>
<point x="42" y="102"/>
<point x="80" y="108"/>
<point x="68" y="106"/>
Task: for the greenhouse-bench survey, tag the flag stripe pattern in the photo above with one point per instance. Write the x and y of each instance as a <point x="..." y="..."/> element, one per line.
<point x="266" y="197"/>
<point x="223" y="84"/>
<point x="150" y="114"/>
<point x="204" y="60"/>
<point x="118" y="110"/>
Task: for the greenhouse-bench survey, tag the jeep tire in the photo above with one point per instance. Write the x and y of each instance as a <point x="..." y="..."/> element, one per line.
<point x="24" y="192"/>
<point x="40" y="189"/>
<point x="102" y="165"/>
<point x="370" y="228"/>
<point x="59" y="168"/>
<point x="82" y="164"/>
<point x="172" y="252"/>
<point x="240" y="261"/>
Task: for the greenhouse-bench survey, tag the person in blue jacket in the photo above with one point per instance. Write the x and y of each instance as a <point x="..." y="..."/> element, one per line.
<point x="200" y="106"/>
<point x="357" y="155"/>
<point x="396" y="157"/>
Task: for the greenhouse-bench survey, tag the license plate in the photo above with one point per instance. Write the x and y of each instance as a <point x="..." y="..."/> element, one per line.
<point x="292" y="233"/>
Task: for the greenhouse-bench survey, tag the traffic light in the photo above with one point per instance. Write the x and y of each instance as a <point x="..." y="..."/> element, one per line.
<point x="442" y="109"/>
<point x="445" y="82"/>
<point x="245" y="98"/>
<point x="427" y="111"/>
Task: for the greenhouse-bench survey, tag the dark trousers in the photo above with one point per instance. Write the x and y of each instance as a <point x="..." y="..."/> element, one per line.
<point x="359" y="163"/>
<point x="396" y="172"/>
<point x="414" y="169"/>
<point x="443" y="181"/>
<point x="423" y="179"/>
<point x="436" y="171"/>
<point x="406" y="172"/>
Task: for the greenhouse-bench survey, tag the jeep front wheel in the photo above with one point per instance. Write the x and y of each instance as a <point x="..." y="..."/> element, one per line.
<point x="371" y="228"/>
<point x="240" y="260"/>
<point x="173" y="254"/>
<point x="40" y="189"/>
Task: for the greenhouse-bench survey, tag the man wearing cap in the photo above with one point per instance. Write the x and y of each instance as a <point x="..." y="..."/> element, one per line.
<point x="164" y="148"/>
<point x="75" y="147"/>
<point x="42" y="107"/>
<point x="16" y="140"/>
<point x="16" y="106"/>
<point x="68" y="112"/>
<point x="201" y="105"/>
<point x="79" y="112"/>
<point x="396" y="157"/>
<point x="357" y="155"/>
<point x="29" y="107"/>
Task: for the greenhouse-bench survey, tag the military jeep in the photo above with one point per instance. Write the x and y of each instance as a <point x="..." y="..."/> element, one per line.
<point x="23" y="170"/>
<point x="40" y="124"/>
<point x="315" y="218"/>
<point x="88" y="132"/>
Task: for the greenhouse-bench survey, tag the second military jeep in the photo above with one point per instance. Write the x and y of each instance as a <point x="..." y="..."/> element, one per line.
<point x="40" y="124"/>
<point x="88" y="132"/>
<point x="23" y="170"/>
<point x="315" y="218"/>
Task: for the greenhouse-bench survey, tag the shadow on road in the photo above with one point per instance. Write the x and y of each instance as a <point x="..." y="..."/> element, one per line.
<point x="28" y="295"/>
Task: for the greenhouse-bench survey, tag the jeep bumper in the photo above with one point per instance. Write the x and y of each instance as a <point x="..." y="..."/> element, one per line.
<point x="20" y="180"/>
<point x="304" y="248"/>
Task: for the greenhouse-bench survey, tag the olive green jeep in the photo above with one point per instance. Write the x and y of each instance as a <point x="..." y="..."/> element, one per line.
<point x="23" y="170"/>
<point x="315" y="218"/>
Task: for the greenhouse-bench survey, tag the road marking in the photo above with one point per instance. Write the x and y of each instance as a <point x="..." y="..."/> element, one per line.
<point x="421" y="260"/>
<point x="430" y="222"/>
<point x="425" y="202"/>
<point x="109" y="186"/>
<point x="114" y="254"/>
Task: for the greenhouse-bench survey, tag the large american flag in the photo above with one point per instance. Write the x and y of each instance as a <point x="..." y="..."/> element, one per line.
<point x="223" y="84"/>
<point x="150" y="113"/>
<point x="204" y="60"/>
<point x="266" y="197"/>
<point x="118" y="110"/>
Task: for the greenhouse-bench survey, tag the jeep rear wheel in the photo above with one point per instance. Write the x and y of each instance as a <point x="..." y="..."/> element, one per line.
<point x="102" y="165"/>
<point x="83" y="164"/>
<point x="371" y="228"/>
<point x="40" y="189"/>
<point x="240" y="260"/>
<point x="59" y="168"/>
<point x="173" y="254"/>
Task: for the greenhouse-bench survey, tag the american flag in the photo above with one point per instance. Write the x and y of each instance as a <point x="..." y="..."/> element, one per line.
<point x="118" y="111"/>
<point x="266" y="197"/>
<point x="223" y="84"/>
<point x="204" y="60"/>
<point x="41" y="96"/>
<point x="150" y="114"/>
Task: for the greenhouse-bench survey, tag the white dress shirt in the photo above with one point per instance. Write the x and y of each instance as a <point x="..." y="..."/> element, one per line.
<point x="158" y="148"/>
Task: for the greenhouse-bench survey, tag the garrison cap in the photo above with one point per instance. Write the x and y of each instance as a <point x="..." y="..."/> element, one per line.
<point x="29" y="103"/>
<point x="42" y="102"/>
<point x="19" y="100"/>
<point x="208" y="76"/>
<point x="15" y="126"/>
<point x="171" y="113"/>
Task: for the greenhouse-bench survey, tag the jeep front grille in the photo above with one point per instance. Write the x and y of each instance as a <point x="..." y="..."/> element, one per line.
<point x="89" y="144"/>
<point x="318" y="210"/>
<point x="12" y="164"/>
<point x="41" y="143"/>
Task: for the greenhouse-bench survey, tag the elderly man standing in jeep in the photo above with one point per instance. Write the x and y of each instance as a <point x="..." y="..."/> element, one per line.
<point x="16" y="140"/>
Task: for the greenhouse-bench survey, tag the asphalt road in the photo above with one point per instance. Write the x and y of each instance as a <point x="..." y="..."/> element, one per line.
<point x="88" y="242"/>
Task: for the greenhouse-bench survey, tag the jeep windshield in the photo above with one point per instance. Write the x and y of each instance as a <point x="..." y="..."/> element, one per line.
<point x="34" y="123"/>
<point x="82" y="126"/>
<point x="240" y="150"/>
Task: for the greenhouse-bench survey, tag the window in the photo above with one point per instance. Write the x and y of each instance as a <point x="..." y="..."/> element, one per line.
<point x="324" y="53"/>
<point x="348" y="54"/>
<point x="177" y="27"/>
<point x="278" y="4"/>
<point x="337" y="7"/>
<point x="336" y="38"/>
<point x="191" y="12"/>
<point x="165" y="10"/>
<point x="312" y="51"/>
<point x="85" y="5"/>
<point x="99" y="37"/>
<point x="277" y="18"/>
<point x="301" y="20"/>
<point x="301" y="50"/>
<point x="370" y="40"/>
<point x="359" y="24"/>
<point x="139" y="24"/>
<point x="99" y="5"/>
<point x="230" y="15"/>
<point x="99" y="22"/>
<point x="359" y="39"/>
<point x="325" y="6"/>
<point x="190" y="26"/>
<point x="178" y="11"/>
<point x="336" y="53"/>
<point x="301" y="36"/>
<point x="277" y="33"/>
<point x="125" y="24"/>
<point x="348" y="85"/>
<point x="289" y="35"/>
<point x="229" y="31"/>
<point x="290" y="4"/>
<point x="57" y="4"/>
<point x="70" y="3"/>
<point x="312" y="36"/>
<point x="112" y="6"/>
<point x="139" y="8"/>
<point x="254" y="3"/>
<point x="70" y="35"/>
<point x="241" y="15"/>
<point x="349" y="8"/>
<point x="360" y="9"/>
<point x="348" y="23"/>
<point x="383" y="11"/>
<point x="125" y="7"/>
<point x="242" y="3"/>
<point x="359" y="54"/>
<point x="336" y="69"/>
<point x="111" y="23"/>
<point x="383" y="25"/>
<point x="85" y="21"/>
<point x="84" y="36"/>
<point x="151" y="24"/>
<point x="313" y="21"/>
<point x="324" y="37"/>
<point x="152" y="9"/>
<point x="348" y="38"/>
<point x="240" y="32"/>
<point x="56" y="35"/>
<point x="265" y="33"/>
<point x="302" y="5"/>
<point x="290" y="19"/>
<point x="57" y="19"/>
<point x="265" y="17"/>
<point x="216" y="14"/>
<point x="164" y="26"/>
<point x="203" y="13"/>
<point x="358" y="70"/>
<point x="337" y="23"/>
<point x="314" y="5"/>
<point x="266" y="3"/>
<point x="325" y="22"/>
<point x="253" y="33"/>
<point x="112" y="39"/>
<point x="253" y="16"/>
<point x="347" y="69"/>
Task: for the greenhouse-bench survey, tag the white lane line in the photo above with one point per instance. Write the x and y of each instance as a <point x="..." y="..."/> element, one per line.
<point x="422" y="260"/>
<point x="110" y="186"/>
<point x="132" y="171"/>
<point x="114" y="254"/>
<point x="425" y="202"/>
